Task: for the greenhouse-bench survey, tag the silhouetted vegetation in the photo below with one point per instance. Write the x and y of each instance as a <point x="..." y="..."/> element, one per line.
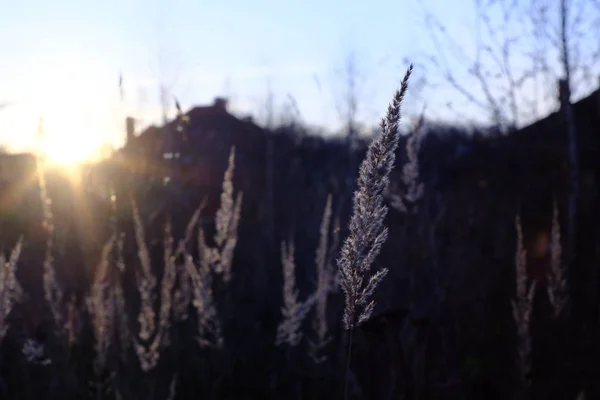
<point x="443" y="326"/>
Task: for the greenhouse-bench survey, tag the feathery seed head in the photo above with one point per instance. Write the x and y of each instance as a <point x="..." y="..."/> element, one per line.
<point x="367" y="233"/>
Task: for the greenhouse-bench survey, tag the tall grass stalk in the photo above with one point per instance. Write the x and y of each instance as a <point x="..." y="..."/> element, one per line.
<point x="557" y="280"/>
<point x="53" y="293"/>
<point x="10" y="289"/>
<point x="325" y="278"/>
<point x="522" y="306"/>
<point x="367" y="232"/>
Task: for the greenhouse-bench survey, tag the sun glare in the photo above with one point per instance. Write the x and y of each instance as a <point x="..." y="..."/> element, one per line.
<point x="67" y="141"/>
<point x="74" y="114"/>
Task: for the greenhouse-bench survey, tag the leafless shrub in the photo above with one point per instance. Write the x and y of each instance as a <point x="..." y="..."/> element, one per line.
<point x="367" y="233"/>
<point x="522" y="306"/>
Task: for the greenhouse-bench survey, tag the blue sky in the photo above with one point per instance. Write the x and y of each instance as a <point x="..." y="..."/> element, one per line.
<point x="62" y="59"/>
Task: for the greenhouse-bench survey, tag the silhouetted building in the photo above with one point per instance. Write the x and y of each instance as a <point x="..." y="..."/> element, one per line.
<point x="190" y="147"/>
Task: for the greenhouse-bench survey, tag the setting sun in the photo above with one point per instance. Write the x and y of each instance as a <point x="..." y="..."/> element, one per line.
<point x="65" y="113"/>
<point x="65" y="139"/>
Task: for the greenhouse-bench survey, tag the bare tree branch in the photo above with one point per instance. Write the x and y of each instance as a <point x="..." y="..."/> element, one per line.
<point x="517" y="56"/>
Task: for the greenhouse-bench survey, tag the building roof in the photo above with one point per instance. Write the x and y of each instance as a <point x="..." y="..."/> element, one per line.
<point x="213" y="117"/>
